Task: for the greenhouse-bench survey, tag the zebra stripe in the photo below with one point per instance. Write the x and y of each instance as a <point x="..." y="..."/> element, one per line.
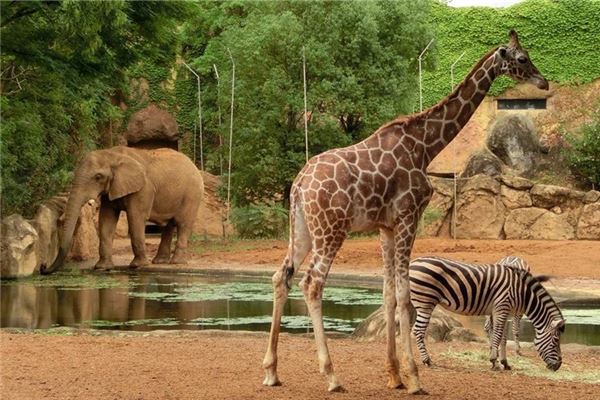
<point x="488" y="289"/>
<point x="518" y="263"/>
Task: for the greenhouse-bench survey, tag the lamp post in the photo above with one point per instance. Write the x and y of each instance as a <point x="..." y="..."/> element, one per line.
<point x="199" y="116"/>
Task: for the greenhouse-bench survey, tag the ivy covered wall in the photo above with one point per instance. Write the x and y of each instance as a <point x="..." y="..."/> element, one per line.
<point x="562" y="38"/>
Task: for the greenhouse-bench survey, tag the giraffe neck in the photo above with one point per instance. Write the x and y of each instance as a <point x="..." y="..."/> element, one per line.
<point x="443" y="121"/>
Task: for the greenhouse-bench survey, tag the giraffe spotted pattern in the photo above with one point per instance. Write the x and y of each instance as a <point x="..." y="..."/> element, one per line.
<point x="379" y="183"/>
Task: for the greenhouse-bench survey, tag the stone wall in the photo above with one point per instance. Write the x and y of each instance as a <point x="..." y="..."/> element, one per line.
<point x="509" y="207"/>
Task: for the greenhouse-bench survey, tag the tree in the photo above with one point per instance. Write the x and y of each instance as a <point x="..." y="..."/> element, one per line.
<point x="61" y="63"/>
<point x="361" y="72"/>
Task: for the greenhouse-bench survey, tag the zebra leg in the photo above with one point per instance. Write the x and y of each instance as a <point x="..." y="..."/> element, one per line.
<point x="499" y="324"/>
<point x="516" y="329"/>
<point x="419" y="330"/>
<point x="503" y="361"/>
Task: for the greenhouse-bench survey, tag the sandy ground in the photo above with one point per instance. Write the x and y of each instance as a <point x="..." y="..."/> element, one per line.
<point x="221" y="365"/>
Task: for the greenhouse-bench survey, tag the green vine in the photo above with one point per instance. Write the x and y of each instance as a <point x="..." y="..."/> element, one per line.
<point x="561" y="37"/>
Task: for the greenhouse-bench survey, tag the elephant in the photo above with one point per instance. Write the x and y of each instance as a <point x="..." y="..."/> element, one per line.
<point x="158" y="185"/>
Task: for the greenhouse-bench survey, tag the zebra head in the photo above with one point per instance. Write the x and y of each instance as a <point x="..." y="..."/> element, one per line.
<point x="547" y="343"/>
<point x="547" y="320"/>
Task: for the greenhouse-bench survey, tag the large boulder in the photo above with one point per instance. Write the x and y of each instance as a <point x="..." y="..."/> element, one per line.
<point x="151" y="124"/>
<point x="19" y="247"/>
<point x="538" y="223"/>
<point x="513" y="198"/>
<point x="516" y="182"/>
<point x="479" y="209"/>
<point x="514" y="141"/>
<point x="549" y="196"/>
<point x="439" y="208"/>
<point x="588" y="226"/>
<point x="85" y="238"/>
<point x="47" y="222"/>
<point x="482" y="162"/>
<point x="373" y="327"/>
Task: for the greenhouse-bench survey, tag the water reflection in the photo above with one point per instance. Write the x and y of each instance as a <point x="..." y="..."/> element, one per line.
<point x="152" y="301"/>
<point x="184" y="301"/>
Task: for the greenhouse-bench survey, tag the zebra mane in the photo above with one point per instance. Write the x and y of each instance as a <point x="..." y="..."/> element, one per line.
<point x="539" y="292"/>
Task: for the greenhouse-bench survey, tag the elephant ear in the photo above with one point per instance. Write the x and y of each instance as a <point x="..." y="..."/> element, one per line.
<point x="128" y="177"/>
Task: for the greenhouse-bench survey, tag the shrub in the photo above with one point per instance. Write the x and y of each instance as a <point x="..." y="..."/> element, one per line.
<point x="583" y="153"/>
<point x="260" y="221"/>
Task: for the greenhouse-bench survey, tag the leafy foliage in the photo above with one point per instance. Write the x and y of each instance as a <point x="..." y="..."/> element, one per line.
<point x="360" y="73"/>
<point x="583" y="153"/>
<point x="260" y="221"/>
<point x="63" y="65"/>
<point x="561" y="36"/>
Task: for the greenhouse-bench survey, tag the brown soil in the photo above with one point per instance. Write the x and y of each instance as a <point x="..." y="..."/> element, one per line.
<point x="225" y="365"/>
<point x="197" y="365"/>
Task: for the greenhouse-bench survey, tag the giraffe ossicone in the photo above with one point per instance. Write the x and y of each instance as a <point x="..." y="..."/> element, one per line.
<point x="379" y="183"/>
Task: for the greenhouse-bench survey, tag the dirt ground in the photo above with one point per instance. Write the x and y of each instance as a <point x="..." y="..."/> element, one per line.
<point x="223" y="365"/>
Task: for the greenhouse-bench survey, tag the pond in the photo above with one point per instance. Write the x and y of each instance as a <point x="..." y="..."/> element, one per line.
<point x="150" y="301"/>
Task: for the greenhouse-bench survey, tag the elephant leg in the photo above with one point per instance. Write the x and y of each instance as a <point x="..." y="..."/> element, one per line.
<point x="164" y="249"/>
<point x="107" y="222"/>
<point x="137" y="226"/>
<point x="184" y="230"/>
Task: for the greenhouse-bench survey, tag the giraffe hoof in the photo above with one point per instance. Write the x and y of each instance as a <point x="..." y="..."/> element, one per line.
<point x="337" y="388"/>
<point x="418" y="392"/>
<point x="395" y="383"/>
<point x="271" y="381"/>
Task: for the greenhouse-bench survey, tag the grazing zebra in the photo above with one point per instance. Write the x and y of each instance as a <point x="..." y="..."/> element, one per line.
<point x="472" y="289"/>
<point x="518" y="263"/>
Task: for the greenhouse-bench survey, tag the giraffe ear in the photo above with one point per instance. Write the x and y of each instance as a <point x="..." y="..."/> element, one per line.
<point x="502" y="51"/>
<point x="514" y="39"/>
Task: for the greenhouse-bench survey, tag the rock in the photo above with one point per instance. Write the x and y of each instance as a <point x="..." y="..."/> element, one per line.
<point x="591" y="197"/>
<point x="588" y="226"/>
<point x="439" y="207"/>
<point x="122" y="229"/>
<point x="151" y="124"/>
<point x="538" y="223"/>
<point x="480" y="182"/>
<point x="85" y="238"/>
<point x="516" y="182"/>
<point x="515" y="198"/>
<point x="19" y="247"/>
<point x="514" y="141"/>
<point x="47" y="223"/>
<point x="482" y="162"/>
<point x="460" y="334"/>
<point x="373" y="327"/>
<point x="548" y="196"/>
<point x="479" y="209"/>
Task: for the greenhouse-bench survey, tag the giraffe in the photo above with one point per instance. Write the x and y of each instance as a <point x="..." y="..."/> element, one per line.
<point x="379" y="183"/>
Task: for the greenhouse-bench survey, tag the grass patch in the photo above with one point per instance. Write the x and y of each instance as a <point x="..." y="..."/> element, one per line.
<point x="525" y="366"/>
<point x="199" y="246"/>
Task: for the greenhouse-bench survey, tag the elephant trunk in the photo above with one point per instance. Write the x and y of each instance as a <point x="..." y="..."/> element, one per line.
<point x="72" y="211"/>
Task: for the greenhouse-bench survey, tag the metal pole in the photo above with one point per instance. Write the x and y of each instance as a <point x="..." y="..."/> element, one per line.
<point x="454" y="160"/>
<point x="230" y="135"/>
<point x="420" y="76"/>
<point x="219" y="107"/>
<point x="199" y="115"/>
<point x="305" y="106"/>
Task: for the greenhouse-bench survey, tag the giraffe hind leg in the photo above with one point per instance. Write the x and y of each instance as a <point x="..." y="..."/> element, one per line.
<point x="297" y="251"/>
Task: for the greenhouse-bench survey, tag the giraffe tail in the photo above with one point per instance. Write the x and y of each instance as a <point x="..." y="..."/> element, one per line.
<point x="289" y="261"/>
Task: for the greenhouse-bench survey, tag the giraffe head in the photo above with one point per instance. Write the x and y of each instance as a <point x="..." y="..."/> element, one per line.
<point x="515" y="63"/>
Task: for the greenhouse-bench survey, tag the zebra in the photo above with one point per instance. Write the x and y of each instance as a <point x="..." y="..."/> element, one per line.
<point x="472" y="289"/>
<point x="519" y="263"/>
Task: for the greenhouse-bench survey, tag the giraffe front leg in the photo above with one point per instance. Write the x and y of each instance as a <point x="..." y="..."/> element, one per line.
<point x="389" y="298"/>
<point x="404" y="236"/>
